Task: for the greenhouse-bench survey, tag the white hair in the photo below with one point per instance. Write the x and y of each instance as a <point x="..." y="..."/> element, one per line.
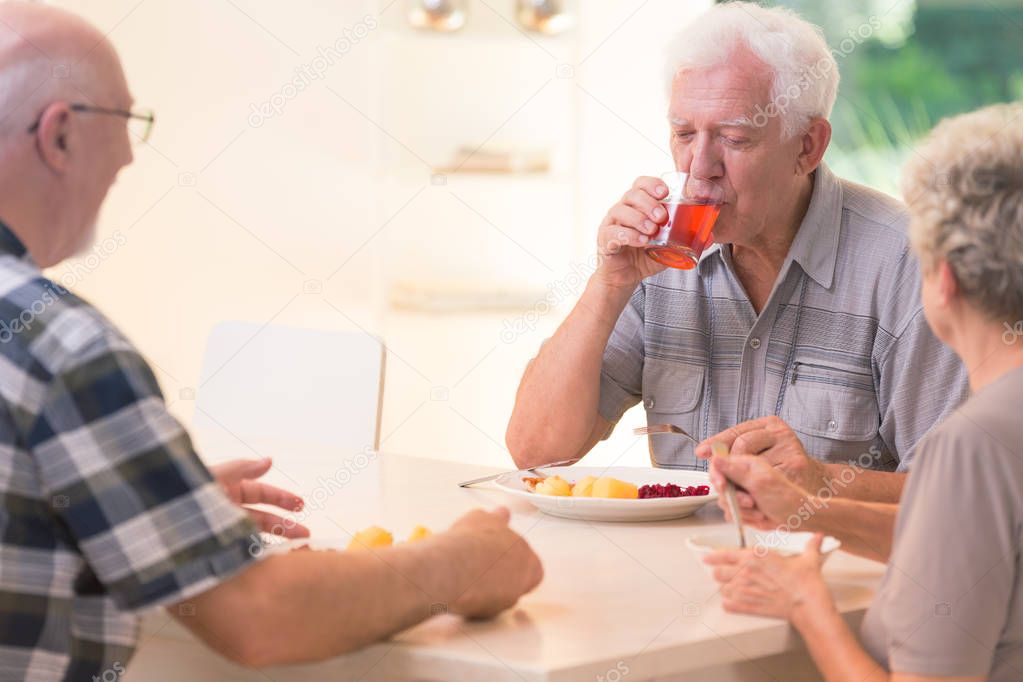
<point x="964" y="188"/>
<point x="805" y="71"/>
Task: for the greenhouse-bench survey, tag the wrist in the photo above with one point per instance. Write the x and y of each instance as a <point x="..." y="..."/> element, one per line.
<point x="605" y="299"/>
<point x="814" y="607"/>
<point x="452" y="559"/>
<point x="818" y="476"/>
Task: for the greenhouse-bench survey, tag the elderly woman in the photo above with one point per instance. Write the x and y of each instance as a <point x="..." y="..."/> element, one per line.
<point x="950" y="604"/>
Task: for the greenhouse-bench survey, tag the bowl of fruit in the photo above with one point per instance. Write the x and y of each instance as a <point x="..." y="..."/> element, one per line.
<point x="612" y="493"/>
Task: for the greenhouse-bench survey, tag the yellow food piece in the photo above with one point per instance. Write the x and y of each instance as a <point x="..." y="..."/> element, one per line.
<point x="419" y="533"/>
<point x="554" y="485"/>
<point x="371" y="538"/>
<point x="605" y="486"/>
<point x="584" y="487"/>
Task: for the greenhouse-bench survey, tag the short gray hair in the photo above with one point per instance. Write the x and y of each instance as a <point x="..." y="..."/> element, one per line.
<point x="805" y="71"/>
<point x="964" y="187"/>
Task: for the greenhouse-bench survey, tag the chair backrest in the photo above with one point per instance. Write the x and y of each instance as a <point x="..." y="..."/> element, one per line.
<point x="268" y="387"/>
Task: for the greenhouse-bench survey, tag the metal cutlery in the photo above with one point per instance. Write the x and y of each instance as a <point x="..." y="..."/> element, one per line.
<point x="721" y="450"/>
<point x="531" y="470"/>
<point x="655" y="429"/>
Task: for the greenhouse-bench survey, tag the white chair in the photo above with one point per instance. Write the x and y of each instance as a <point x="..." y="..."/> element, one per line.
<point x="264" y="388"/>
<point x="311" y="399"/>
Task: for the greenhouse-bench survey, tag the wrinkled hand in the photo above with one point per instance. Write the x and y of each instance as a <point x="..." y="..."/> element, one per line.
<point x="772" y="439"/>
<point x="238" y="480"/>
<point x="770" y="584"/>
<point x="767" y="499"/>
<point x="502" y="566"/>
<point x="625" y="231"/>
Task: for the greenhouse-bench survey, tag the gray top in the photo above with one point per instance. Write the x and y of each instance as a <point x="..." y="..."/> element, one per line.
<point x="949" y="604"/>
<point x="841" y="351"/>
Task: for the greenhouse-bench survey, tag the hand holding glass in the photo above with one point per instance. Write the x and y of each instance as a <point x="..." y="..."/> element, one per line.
<point x="693" y="206"/>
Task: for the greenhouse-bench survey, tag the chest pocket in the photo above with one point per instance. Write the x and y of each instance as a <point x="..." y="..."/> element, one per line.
<point x="834" y="410"/>
<point x="673" y="394"/>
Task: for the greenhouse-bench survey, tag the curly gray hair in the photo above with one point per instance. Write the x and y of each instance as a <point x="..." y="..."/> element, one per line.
<point x="964" y="187"/>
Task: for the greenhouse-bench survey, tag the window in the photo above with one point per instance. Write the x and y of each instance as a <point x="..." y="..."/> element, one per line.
<point x="907" y="64"/>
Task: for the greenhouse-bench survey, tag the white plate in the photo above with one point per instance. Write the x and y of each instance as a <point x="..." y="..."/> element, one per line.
<point x="601" y="509"/>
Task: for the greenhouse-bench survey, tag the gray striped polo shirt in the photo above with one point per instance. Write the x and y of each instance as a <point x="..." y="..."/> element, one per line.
<point x="842" y="351"/>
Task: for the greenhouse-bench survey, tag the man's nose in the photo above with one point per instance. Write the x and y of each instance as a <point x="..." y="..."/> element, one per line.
<point x="705" y="162"/>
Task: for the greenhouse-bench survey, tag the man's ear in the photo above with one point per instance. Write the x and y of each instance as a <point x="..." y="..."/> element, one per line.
<point x="814" y="143"/>
<point x="53" y="136"/>
<point x="948" y="285"/>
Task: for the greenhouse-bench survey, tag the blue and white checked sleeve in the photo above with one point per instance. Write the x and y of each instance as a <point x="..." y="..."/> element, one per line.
<point x="123" y="477"/>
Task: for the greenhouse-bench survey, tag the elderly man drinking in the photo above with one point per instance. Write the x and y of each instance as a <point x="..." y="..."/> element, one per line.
<point x="806" y="308"/>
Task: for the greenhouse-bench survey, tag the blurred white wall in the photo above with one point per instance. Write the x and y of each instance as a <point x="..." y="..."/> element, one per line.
<point x="312" y="213"/>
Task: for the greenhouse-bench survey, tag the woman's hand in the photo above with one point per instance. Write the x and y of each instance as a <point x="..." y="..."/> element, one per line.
<point x="763" y="583"/>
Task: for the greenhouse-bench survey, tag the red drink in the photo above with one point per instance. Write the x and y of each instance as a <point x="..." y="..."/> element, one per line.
<point x="687" y="233"/>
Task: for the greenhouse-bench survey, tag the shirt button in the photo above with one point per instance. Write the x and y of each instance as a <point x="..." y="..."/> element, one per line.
<point x="832" y="425"/>
<point x="754" y="343"/>
<point x="648" y="403"/>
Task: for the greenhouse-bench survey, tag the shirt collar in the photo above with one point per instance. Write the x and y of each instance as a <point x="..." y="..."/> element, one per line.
<point x="815" y="247"/>
<point x="10" y="244"/>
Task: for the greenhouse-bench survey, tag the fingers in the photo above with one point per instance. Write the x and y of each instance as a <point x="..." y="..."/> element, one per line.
<point x="617" y="237"/>
<point x="717" y="479"/>
<point x="499" y="516"/>
<point x="813" y="548"/>
<point x="655" y="187"/>
<point x="472" y="517"/>
<point x="742" y="599"/>
<point x="627" y="216"/>
<point x="726" y="573"/>
<point x="254" y="492"/>
<point x="730" y="468"/>
<point x="239" y="469"/>
<point x="728" y="436"/>
<point x="744" y="471"/>
<point x="635" y="218"/>
<point x="753" y="442"/>
<point x="277" y="525"/>
<point x="647" y="204"/>
<point x="745" y="500"/>
<point x="759" y="521"/>
<point x="727" y="557"/>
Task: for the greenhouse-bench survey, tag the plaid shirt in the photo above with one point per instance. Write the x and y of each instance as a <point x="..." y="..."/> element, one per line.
<point x="106" y="509"/>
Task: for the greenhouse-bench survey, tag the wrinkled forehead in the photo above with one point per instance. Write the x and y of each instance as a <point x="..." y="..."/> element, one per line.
<point x="729" y="93"/>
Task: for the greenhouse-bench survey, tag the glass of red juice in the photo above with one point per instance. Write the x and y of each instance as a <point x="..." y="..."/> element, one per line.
<point x="693" y="206"/>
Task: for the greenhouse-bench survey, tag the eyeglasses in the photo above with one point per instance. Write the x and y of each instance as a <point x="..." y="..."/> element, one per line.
<point x="140" y="123"/>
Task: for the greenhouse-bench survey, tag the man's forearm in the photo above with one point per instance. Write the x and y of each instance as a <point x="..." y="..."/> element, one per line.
<point x="312" y="605"/>
<point x="857" y="483"/>
<point x="864" y="528"/>
<point x="556" y="404"/>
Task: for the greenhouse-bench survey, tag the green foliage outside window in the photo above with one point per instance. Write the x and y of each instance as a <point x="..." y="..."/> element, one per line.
<point x="922" y="60"/>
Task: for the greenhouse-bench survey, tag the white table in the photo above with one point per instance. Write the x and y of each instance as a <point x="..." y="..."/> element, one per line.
<point x="619" y="601"/>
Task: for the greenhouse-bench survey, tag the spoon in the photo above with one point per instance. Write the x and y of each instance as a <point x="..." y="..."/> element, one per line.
<point x="721" y="450"/>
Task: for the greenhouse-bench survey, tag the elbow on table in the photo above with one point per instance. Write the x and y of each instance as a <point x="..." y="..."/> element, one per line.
<point x="237" y="624"/>
<point x="532" y="446"/>
<point x="523" y="446"/>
